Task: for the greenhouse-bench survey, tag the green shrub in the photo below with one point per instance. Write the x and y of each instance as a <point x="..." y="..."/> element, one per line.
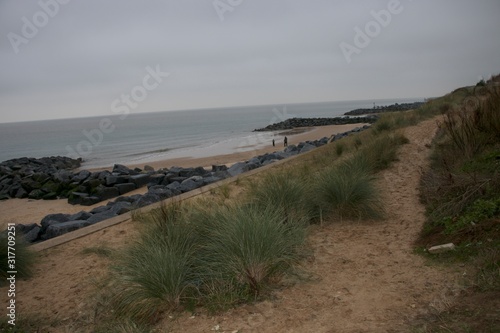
<point x="476" y="213"/>
<point x="249" y="246"/>
<point x="348" y="191"/>
<point x="24" y="257"/>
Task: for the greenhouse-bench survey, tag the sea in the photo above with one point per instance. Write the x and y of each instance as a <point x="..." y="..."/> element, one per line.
<point x="147" y="137"/>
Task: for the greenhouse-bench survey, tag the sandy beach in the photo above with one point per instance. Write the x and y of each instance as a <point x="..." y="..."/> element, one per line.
<point x="27" y="211"/>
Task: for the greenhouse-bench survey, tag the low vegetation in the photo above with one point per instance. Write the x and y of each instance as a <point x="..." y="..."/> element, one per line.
<point x="23" y="257"/>
<point x="461" y="192"/>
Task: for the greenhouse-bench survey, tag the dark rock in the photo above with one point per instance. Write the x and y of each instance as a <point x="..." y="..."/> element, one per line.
<point x="266" y="162"/>
<point x="80" y="216"/>
<point x="140" y="180"/>
<point x="90" y="200"/>
<point x="125" y="199"/>
<point x="307" y="147"/>
<point x="121" y="169"/>
<point x="120" y="208"/>
<point x="238" y="168"/>
<point x="162" y="191"/>
<point x="102" y="216"/>
<point x="91" y="184"/>
<point x="63" y="176"/>
<point x="105" y="193"/>
<point x="189" y="185"/>
<point x="178" y="179"/>
<point x="103" y="175"/>
<point x="216" y="168"/>
<point x="175" y="170"/>
<point x="147" y="199"/>
<point x="210" y="180"/>
<point x="24" y="228"/>
<point x="254" y="160"/>
<point x="187" y="172"/>
<point x="36" y="194"/>
<point x="200" y="171"/>
<point x="81" y="176"/>
<point x="12" y="190"/>
<point x="50" y="196"/>
<point x="148" y="168"/>
<point x="175" y="187"/>
<point x="114" y="179"/>
<point x="54" y="218"/>
<point x="125" y="188"/>
<point x="156" y="180"/>
<point x="32" y="235"/>
<point x="168" y="178"/>
<point x="59" y="229"/>
<point x="75" y="198"/>
<point x="294" y="148"/>
<point x="40" y="177"/>
<point x="51" y="186"/>
<point x="100" y="209"/>
<point x="30" y="185"/>
<point x="308" y="122"/>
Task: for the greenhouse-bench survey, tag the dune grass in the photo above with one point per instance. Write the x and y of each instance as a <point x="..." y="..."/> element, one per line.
<point x="157" y="272"/>
<point x="24" y="258"/>
<point x="285" y="191"/>
<point x="348" y="191"/>
<point x="250" y="245"/>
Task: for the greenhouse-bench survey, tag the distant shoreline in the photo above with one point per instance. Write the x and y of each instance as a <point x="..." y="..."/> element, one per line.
<point x="386" y="108"/>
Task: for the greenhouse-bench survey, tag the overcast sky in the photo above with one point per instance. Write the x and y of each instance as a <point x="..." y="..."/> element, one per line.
<point x="78" y="58"/>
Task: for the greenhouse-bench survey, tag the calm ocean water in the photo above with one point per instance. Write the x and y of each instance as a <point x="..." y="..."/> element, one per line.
<point x="142" y="138"/>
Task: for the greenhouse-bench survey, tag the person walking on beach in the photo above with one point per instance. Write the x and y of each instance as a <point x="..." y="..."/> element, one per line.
<point x="273" y="143"/>
<point x="285" y="142"/>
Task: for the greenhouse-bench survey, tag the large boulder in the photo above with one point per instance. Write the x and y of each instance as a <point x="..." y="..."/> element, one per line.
<point x="76" y="198"/>
<point x="120" y="208"/>
<point x="125" y="188"/>
<point x="140" y="180"/>
<point x="32" y="235"/>
<point x="122" y="170"/>
<point x="238" y="168"/>
<point x="63" y="228"/>
<point x="105" y="193"/>
<point x="162" y="191"/>
<point x="307" y="147"/>
<point x="81" y="176"/>
<point x="82" y="215"/>
<point x="102" y="216"/>
<point x="190" y="184"/>
<point x="147" y="199"/>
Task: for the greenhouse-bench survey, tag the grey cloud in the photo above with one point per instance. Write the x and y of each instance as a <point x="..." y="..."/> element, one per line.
<point x="263" y="52"/>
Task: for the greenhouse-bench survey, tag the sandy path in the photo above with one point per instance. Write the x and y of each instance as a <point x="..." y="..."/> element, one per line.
<point x="365" y="275"/>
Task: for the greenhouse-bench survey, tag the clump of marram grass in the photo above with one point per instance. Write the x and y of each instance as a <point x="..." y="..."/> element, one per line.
<point x="283" y="191"/>
<point x="156" y="273"/>
<point x="249" y="246"/>
<point x="348" y="191"/>
<point x="19" y="250"/>
<point x="382" y="151"/>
